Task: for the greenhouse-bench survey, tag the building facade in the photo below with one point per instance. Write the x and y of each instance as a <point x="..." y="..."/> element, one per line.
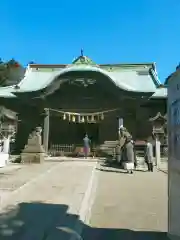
<point x="68" y="101"/>
<point x="173" y="83"/>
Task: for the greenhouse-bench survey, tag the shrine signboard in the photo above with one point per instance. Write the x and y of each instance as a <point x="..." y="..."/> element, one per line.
<point x="174" y="155"/>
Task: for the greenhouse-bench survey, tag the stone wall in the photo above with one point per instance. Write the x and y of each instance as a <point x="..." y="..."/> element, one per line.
<point x="174" y="199"/>
<point x="174" y="156"/>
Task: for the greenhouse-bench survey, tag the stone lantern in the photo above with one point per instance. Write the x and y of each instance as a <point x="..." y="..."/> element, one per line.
<point x="159" y="131"/>
<point x="159" y="126"/>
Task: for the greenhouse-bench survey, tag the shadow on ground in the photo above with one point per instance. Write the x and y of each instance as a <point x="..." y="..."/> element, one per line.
<point x="112" y="170"/>
<point x="115" y="168"/>
<point x="40" y="221"/>
<point x="118" y="234"/>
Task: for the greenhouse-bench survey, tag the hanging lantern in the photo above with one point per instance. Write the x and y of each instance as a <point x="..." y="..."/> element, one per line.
<point x="102" y="116"/>
<point x="69" y="117"/>
<point x="64" y="116"/>
<point x="73" y="119"/>
<point x="87" y="118"/>
<point x="92" y="118"/>
<point x="79" y="118"/>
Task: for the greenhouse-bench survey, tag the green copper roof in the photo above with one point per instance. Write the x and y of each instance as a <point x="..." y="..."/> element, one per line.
<point x="127" y="80"/>
<point x="160" y="93"/>
<point x="7" y="92"/>
<point x="134" y="80"/>
<point x="83" y="60"/>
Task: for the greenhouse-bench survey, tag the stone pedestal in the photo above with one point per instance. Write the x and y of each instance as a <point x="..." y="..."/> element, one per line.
<point x="4" y="152"/>
<point x="6" y="145"/>
<point x="4" y="159"/>
<point x="158" y="152"/>
<point x="33" y="151"/>
<point x="46" y="131"/>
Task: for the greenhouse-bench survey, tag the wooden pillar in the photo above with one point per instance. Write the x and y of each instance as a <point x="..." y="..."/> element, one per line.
<point x="46" y="130"/>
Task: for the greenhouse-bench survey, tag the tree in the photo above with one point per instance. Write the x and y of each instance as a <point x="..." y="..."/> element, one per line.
<point x="10" y="72"/>
<point x="3" y="73"/>
<point x="13" y="63"/>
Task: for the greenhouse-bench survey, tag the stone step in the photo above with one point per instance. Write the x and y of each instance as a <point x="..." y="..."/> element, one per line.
<point x="111" y="142"/>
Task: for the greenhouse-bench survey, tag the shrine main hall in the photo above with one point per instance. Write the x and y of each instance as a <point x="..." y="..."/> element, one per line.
<point x="70" y="100"/>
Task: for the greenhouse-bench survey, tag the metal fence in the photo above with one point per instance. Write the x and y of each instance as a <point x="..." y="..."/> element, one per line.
<point x="61" y="150"/>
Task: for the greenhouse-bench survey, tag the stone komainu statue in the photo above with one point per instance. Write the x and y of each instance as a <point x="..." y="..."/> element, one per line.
<point x="33" y="151"/>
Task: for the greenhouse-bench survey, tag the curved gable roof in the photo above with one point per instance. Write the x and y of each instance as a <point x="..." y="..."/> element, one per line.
<point x="35" y="79"/>
<point x="7" y="92"/>
<point x="127" y="80"/>
<point x="160" y="93"/>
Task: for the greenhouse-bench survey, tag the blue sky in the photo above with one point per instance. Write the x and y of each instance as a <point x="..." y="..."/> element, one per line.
<point x="115" y="31"/>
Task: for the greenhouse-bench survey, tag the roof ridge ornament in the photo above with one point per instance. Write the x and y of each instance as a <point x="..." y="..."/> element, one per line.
<point x="83" y="60"/>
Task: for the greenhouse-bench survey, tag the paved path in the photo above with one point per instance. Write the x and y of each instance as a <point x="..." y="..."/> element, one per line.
<point x="43" y="202"/>
<point x="14" y="176"/>
<point x="128" y="206"/>
<point x="47" y="206"/>
<point x="163" y="166"/>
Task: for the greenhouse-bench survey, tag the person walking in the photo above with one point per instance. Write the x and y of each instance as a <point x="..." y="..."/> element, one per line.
<point x="129" y="155"/>
<point x="149" y="155"/>
<point x="86" y="141"/>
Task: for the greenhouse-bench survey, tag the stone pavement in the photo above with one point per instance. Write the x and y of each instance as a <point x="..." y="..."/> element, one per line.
<point x="163" y="167"/>
<point x="47" y="206"/>
<point x="128" y="206"/>
<point x="14" y="176"/>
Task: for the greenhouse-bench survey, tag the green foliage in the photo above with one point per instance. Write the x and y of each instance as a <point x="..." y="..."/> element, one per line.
<point x="6" y="69"/>
<point x="3" y="73"/>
